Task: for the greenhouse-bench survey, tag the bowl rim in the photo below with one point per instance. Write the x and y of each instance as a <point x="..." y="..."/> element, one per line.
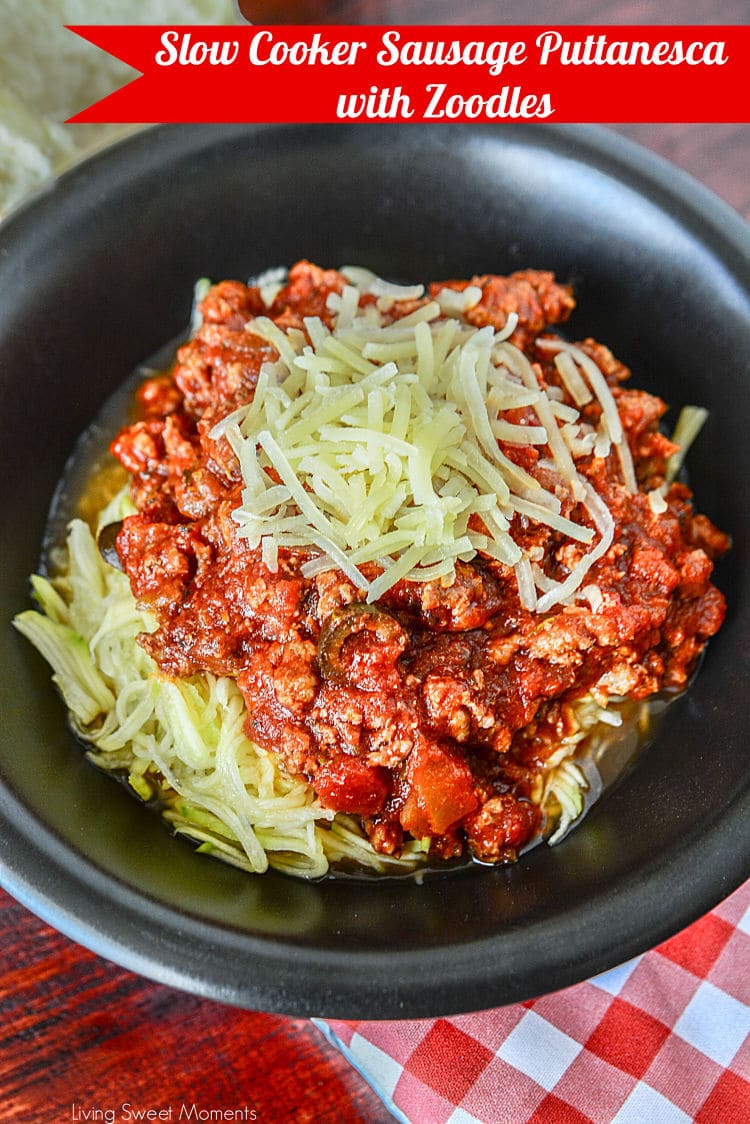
<point x="179" y="949"/>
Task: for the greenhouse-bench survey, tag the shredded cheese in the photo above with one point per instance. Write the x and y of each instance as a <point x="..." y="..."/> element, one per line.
<point x="376" y="443"/>
<point x="612" y="426"/>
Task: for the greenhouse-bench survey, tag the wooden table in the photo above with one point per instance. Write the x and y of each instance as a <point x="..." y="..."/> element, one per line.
<point x="79" y="1034"/>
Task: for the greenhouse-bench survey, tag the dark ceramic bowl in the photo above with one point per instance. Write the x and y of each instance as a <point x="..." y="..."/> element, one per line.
<point x="98" y="272"/>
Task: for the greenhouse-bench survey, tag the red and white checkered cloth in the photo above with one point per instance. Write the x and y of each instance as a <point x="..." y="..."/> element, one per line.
<point x="663" y="1039"/>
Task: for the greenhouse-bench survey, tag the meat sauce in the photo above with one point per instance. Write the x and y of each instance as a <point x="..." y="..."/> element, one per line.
<point x="433" y="713"/>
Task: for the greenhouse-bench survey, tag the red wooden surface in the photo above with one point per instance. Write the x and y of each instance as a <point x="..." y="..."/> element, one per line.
<point x="79" y="1034"/>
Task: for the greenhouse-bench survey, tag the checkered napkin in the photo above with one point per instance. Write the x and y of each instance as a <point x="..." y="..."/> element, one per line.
<point x="663" y="1039"/>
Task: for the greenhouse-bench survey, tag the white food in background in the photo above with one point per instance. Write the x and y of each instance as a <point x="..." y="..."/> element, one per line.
<point x="47" y="74"/>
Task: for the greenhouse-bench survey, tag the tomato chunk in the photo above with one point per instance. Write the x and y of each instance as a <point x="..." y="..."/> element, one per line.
<point x="441" y="790"/>
<point x="349" y="784"/>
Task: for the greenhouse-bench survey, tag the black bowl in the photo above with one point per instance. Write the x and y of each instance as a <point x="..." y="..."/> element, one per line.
<point x="97" y="273"/>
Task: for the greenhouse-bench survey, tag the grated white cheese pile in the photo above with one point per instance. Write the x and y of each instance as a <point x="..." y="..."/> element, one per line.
<point x="383" y="440"/>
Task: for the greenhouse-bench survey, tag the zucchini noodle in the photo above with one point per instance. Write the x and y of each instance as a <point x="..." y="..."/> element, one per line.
<point x="181" y="743"/>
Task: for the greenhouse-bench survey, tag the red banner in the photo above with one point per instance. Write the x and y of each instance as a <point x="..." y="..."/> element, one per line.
<point x="425" y="73"/>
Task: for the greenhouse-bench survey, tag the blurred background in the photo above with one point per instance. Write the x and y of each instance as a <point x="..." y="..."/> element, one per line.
<point x="47" y="74"/>
<point x="493" y="11"/>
